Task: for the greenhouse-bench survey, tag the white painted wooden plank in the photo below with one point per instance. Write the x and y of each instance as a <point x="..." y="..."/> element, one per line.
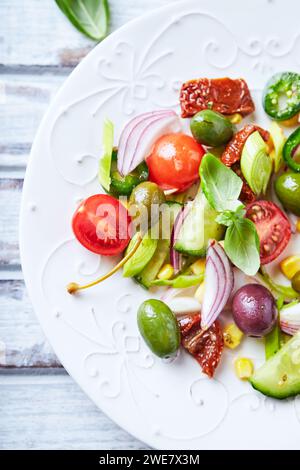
<point x="22" y="343"/>
<point x="24" y="100"/>
<point x="53" y="413"/>
<point x="12" y="165"/>
<point x="35" y="32"/>
<point x="10" y="198"/>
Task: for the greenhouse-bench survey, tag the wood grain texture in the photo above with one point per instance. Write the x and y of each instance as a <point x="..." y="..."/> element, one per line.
<point x="46" y="36"/>
<point x="22" y="343"/>
<point x="23" y="102"/>
<point x="10" y="199"/>
<point x="51" y="412"/>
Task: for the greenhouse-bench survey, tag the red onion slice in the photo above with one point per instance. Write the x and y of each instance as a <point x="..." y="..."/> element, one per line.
<point x="157" y="128"/>
<point x="139" y="136"/>
<point x="219" y="282"/>
<point x="288" y="329"/>
<point x="128" y="129"/>
<point x="214" y="289"/>
<point x="131" y="125"/>
<point x="229" y="286"/>
<point x="290" y="319"/>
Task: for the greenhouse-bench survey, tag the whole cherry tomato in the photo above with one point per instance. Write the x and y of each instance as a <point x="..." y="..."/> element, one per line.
<point x="174" y="161"/>
<point x="101" y="224"/>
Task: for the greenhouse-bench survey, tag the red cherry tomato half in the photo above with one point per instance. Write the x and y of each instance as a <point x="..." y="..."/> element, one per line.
<point x="174" y="161"/>
<point x="273" y="228"/>
<point x="101" y="224"/>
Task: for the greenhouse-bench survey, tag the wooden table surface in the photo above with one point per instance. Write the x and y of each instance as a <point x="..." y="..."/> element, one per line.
<point x="40" y="405"/>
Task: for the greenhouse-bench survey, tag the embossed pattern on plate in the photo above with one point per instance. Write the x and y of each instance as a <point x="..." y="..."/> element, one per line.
<point x="140" y="68"/>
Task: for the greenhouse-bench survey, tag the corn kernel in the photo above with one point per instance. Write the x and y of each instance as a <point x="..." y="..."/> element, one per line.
<point x="198" y="267"/>
<point x="294" y="121"/>
<point x="243" y="368"/>
<point x="166" y="272"/>
<point x="235" y="118"/>
<point x="232" y="336"/>
<point x="298" y="225"/>
<point x="290" y="266"/>
<point x="199" y="294"/>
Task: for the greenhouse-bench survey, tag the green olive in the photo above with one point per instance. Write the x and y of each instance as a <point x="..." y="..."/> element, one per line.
<point x="145" y="201"/>
<point x="287" y="188"/>
<point x="211" y="128"/>
<point x="159" y="328"/>
<point x="296" y="282"/>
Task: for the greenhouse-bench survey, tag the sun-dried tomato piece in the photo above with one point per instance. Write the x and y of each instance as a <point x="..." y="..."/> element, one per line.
<point x="205" y="346"/>
<point x="234" y="149"/>
<point x="247" y="195"/>
<point x="224" y="95"/>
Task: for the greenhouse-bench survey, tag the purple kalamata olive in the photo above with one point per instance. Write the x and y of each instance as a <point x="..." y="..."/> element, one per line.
<point x="254" y="310"/>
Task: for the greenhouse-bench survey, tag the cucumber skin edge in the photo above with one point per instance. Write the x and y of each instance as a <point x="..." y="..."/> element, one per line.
<point x="201" y="253"/>
<point x="269" y="394"/>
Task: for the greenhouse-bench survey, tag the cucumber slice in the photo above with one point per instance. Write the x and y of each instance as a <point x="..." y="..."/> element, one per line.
<point x="150" y="272"/>
<point x="256" y="165"/>
<point x="198" y="228"/>
<point x="168" y="217"/>
<point x="279" y="377"/>
<point x="141" y="257"/>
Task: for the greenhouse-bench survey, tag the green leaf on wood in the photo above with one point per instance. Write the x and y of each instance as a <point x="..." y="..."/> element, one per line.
<point x="90" y="17"/>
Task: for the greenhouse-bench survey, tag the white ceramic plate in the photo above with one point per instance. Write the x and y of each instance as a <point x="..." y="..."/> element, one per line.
<point x="140" y="68"/>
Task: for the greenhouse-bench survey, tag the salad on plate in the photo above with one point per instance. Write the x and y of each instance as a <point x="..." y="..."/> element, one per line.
<point x="204" y="209"/>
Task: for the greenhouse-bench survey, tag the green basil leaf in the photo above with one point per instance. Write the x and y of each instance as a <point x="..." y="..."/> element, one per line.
<point x="242" y="245"/>
<point x="221" y="186"/>
<point x="90" y="17"/>
<point x="180" y="282"/>
<point x="227" y="218"/>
